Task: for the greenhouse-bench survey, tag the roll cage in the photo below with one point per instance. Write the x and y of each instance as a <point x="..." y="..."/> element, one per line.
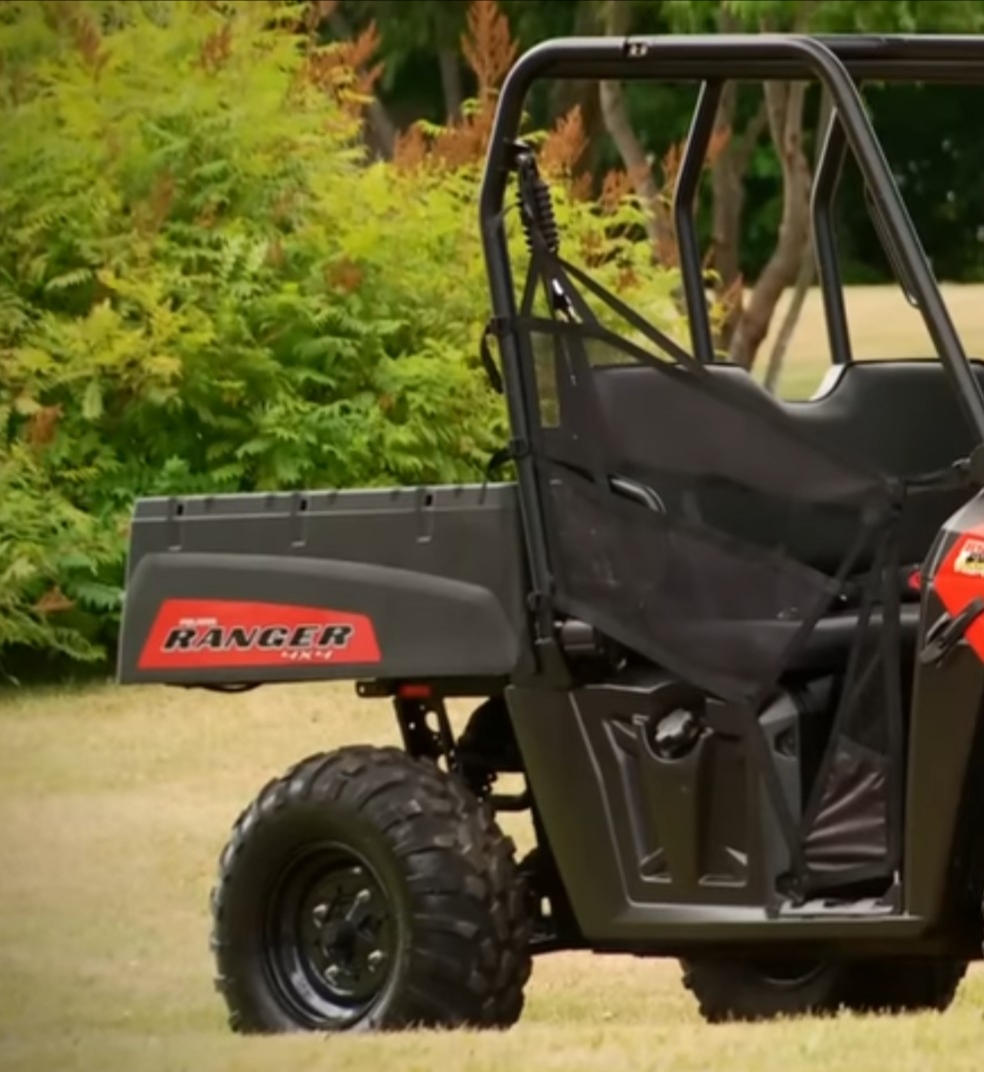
<point x="841" y="65"/>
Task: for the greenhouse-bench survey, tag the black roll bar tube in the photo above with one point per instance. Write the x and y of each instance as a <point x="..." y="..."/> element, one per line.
<point x="684" y="200"/>
<point x="825" y="183"/>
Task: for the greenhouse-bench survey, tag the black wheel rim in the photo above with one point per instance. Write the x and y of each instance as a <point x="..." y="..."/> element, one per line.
<point x="330" y="937"/>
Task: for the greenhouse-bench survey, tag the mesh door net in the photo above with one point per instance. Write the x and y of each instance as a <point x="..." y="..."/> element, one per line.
<point x="684" y="511"/>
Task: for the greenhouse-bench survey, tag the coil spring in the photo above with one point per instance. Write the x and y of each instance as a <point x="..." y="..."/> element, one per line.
<point x="540" y="213"/>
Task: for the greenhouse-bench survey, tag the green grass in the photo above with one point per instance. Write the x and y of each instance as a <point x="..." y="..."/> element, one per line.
<point x="114" y="804"/>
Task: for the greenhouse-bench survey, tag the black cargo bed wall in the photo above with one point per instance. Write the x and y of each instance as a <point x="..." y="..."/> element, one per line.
<point x="438" y="575"/>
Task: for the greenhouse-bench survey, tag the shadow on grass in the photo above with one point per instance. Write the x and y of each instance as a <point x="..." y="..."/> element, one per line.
<point x="23" y="668"/>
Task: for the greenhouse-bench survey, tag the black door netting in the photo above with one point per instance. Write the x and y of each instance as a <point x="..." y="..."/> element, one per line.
<point x="684" y="525"/>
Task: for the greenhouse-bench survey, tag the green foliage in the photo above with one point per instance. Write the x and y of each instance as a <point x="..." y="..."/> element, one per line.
<point x="833" y="16"/>
<point x="206" y="287"/>
<point x="56" y="565"/>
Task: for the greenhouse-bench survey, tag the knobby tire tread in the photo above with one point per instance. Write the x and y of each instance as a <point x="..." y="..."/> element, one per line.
<point x="469" y="959"/>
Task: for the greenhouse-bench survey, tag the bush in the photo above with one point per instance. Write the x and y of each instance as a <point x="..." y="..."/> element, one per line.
<point x="206" y="286"/>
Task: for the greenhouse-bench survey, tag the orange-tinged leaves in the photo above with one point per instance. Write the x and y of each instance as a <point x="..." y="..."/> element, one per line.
<point x="490" y="51"/>
<point x="158" y="205"/>
<point x="53" y="601"/>
<point x="82" y="29"/>
<point x="564" y="146"/>
<point x="628" y="279"/>
<point x="615" y="188"/>
<point x="43" y="425"/>
<point x="411" y="149"/>
<point x="345" y="276"/>
<point x="593" y="248"/>
<point x="317" y="11"/>
<point x="216" y="49"/>
<point x="582" y="188"/>
<point x="488" y="46"/>
<point x="730" y="299"/>
<point x="345" y="69"/>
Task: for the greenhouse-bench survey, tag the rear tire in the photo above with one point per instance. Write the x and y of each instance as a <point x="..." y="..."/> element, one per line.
<point x="744" y="991"/>
<point x="900" y="986"/>
<point x="366" y="890"/>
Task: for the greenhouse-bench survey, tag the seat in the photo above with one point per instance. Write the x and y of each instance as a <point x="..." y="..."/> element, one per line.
<point x="900" y="417"/>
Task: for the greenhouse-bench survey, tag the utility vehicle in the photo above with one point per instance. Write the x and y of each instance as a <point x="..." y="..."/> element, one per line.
<point x="731" y="648"/>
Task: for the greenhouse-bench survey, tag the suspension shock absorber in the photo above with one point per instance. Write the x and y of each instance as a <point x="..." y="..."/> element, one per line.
<point x="536" y="204"/>
<point x="537" y="213"/>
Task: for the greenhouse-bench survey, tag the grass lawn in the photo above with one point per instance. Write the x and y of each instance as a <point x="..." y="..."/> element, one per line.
<point x="114" y="805"/>
<point x="882" y="324"/>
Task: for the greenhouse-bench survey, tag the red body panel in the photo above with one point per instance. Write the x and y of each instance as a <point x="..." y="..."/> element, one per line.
<point x="960" y="579"/>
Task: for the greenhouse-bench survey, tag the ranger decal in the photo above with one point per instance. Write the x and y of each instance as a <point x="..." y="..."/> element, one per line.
<point x="217" y="633"/>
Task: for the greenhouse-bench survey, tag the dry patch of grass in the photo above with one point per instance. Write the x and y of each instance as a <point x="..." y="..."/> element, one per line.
<point x="114" y="804"/>
<point x="882" y="325"/>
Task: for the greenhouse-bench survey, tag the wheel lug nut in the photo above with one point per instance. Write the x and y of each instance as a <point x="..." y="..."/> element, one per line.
<point x="376" y="959"/>
<point x="319" y="915"/>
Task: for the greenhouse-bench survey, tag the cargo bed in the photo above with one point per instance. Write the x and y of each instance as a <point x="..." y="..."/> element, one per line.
<point x="384" y="584"/>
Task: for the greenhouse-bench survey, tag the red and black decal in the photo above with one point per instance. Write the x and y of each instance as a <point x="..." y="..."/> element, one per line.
<point x="960" y="580"/>
<point x="215" y="633"/>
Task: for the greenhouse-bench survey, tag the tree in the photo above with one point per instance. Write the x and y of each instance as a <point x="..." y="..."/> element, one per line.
<point x="208" y="285"/>
<point x="425" y="75"/>
<point x="617" y="19"/>
<point x="784" y="116"/>
<point x="432" y="27"/>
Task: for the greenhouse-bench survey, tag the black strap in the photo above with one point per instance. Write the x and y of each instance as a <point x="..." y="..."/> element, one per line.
<point x="947" y="632"/>
<point x="954" y="477"/>
<point x="658" y="338"/>
<point x="511" y="452"/>
<point x="488" y="363"/>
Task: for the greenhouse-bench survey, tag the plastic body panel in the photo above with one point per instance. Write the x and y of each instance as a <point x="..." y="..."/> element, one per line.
<point x="414" y="582"/>
<point x="655" y="856"/>
<point x="944" y="786"/>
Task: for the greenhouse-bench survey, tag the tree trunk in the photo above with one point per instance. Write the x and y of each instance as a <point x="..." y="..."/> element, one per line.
<point x="637" y="166"/>
<point x="784" y="102"/>
<point x="807" y="272"/>
<point x="615" y="114"/>
<point x="381" y="130"/>
<point x="567" y="94"/>
<point x="451" y="83"/>
<point x="728" y="192"/>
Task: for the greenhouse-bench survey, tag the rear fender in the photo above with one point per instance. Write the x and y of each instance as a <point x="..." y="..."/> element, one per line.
<point x="221" y="618"/>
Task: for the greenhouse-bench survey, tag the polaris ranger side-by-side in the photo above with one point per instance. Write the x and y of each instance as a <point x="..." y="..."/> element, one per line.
<point x="733" y="646"/>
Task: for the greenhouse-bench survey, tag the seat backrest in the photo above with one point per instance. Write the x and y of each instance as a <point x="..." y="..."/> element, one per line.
<point x="901" y="417"/>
